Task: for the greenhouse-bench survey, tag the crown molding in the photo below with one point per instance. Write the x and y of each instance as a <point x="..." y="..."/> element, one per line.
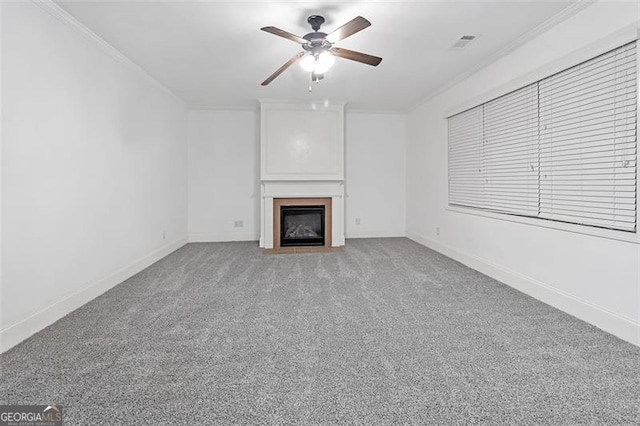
<point x="556" y="19"/>
<point x="322" y="102"/>
<point x="66" y="18"/>
<point x="375" y="111"/>
<point x="238" y="108"/>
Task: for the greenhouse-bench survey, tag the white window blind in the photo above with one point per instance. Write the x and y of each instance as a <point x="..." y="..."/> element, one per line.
<point x="588" y="142"/>
<point x="466" y="179"/>
<point x="563" y="148"/>
<point x="511" y="152"/>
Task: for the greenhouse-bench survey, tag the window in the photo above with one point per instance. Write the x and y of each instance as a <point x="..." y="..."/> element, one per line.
<point x="563" y="148"/>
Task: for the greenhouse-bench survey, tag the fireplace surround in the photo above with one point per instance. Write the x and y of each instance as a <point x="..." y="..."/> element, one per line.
<point x="276" y="194"/>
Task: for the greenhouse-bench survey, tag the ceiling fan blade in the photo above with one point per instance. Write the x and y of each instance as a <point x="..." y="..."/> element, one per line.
<point x="285" y="34"/>
<point x="350" y="28"/>
<point x="356" y="56"/>
<point x="282" y="68"/>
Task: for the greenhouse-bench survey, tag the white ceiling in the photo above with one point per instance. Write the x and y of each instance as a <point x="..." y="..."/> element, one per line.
<point x="212" y="53"/>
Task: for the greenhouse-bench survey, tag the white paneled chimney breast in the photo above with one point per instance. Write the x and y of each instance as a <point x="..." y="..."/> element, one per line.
<point x="301" y="156"/>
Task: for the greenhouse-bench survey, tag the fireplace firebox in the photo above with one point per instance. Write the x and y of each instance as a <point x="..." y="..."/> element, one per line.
<point x="302" y="226"/>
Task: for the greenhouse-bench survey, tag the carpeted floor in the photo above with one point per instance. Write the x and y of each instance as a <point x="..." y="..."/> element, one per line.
<point x="385" y="332"/>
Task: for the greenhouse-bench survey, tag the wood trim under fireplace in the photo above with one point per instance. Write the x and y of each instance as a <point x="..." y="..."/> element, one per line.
<point x="279" y="202"/>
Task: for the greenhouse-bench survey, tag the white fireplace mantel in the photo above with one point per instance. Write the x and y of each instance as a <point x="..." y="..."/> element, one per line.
<point x="301" y="189"/>
<point x="301" y="156"/>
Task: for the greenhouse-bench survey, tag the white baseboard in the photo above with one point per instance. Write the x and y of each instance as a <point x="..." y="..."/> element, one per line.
<point x="16" y="333"/>
<point x="221" y="237"/>
<point x="611" y="322"/>
<point x="374" y="233"/>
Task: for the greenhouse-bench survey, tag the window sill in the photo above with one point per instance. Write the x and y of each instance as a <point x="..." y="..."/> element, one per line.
<point x="628" y="237"/>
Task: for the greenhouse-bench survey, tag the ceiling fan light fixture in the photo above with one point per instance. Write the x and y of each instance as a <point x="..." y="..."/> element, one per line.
<point x="324" y="62"/>
<point x="317" y="64"/>
<point x="308" y="62"/>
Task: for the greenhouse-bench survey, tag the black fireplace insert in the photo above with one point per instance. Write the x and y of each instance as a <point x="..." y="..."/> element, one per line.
<point x="301" y="226"/>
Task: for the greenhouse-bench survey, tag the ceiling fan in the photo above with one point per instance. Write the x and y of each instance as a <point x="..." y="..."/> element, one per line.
<point x="318" y="47"/>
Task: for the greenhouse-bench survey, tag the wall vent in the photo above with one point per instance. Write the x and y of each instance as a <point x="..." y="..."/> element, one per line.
<point x="463" y="41"/>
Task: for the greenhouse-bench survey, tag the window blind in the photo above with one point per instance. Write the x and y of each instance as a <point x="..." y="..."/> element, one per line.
<point x="563" y="148"/>
<point x="466" y="179"/>
<point x="511" y="152"/>
<point x="588" y="142"/>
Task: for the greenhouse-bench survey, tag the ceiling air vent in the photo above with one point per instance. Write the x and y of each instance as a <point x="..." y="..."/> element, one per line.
<point x="463" y="41"/>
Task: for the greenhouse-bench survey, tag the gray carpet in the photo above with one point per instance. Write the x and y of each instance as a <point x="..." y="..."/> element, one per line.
<point x="385" y="332"/>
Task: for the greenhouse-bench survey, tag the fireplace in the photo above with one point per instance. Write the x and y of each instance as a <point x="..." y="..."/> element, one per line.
<point x="302" y="226"/>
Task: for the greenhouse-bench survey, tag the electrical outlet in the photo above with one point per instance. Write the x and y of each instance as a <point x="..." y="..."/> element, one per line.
<point x="357" y="221"/>
<point x="238" y="224"/>
<point x="437" y="230"/>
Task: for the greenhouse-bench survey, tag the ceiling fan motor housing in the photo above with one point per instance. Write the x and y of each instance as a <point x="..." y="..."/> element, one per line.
<point x="317" y="43"/>
<point x="317" y="40"/>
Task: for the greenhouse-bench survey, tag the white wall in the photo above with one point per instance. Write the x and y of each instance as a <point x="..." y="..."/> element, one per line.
<point x="1" y="149"/>
<point x="224" y="174"/>
<point x="375" y="175"/>
<point x="594" y="278"/>
<point x="94" y="169"/>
